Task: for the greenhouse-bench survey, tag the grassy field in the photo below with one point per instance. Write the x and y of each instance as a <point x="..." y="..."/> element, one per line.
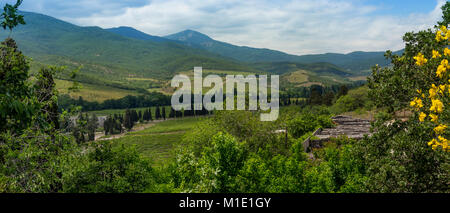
<point x="160" y="141"/>
<point x="297" y="77"/>
<point x="92" y="92"/>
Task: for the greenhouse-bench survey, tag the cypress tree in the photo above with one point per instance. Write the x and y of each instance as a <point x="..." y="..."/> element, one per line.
<point x="157" y="113"/>
<point x="163" y="114"/>
<point x="127" y="120"/>
<point x="172" y="113"/>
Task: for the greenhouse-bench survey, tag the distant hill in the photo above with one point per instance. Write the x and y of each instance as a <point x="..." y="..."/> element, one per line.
<point x="136" y="34"/>
<point x="127" y="59"/>
<point x="355" y="62"/>
<point x="108" y="56"/>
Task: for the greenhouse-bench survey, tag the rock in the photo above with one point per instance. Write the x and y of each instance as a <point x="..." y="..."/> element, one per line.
<point x="353" y="128"/>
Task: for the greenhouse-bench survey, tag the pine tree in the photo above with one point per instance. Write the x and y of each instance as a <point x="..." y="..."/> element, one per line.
<point x="150" y="116"/>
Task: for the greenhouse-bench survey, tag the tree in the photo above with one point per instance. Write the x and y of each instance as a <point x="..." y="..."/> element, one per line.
<point x="316" y="95"/>
<point x="150" y="114"/>
<point x="398" y="157"/>
<point x="157" y="113"/>
<point x="163" y="114"/>
<point x="10" y="17"/>
<point x="343" y="90"/>
<point x="127" y="120"/>
<point x="328" y="98"/>
<point x="92" y="127"/>
<point x="145" y="115"/>
<point x="46" y="94"/>
<point x="172" y="113"/>
<point x="108" y="125"/>
<point x="17" y="100"/>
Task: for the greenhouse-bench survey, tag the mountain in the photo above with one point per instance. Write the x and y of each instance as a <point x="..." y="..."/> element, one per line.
<point x="192" y="38"/>
<point x="106" y="55"/>
<point x="355" y="62"/>
<point x="126" y="58"/>
<point x="136" y="34"/>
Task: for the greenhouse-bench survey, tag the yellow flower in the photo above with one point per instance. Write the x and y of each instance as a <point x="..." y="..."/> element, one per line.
<point x="443" y="29"/>
<point x="417" y="103"/>
<point x="433" y="91"/>
<point x="447" y="52"/>
<point x="436" y="54"/>
<point x="444" y="62"/>
<point x="433" y="117"/>
<point x="422" y="116"/>
<point x="432" y="142"/>
<point x="442" y="89"/>
<point x="436" y="106"/>
<point x="440" y="129"/>
<point x="420" y="59"/>
<point x="444" y="142"/>
<point x="439" y="36"/>
<point x="440" y="71"/>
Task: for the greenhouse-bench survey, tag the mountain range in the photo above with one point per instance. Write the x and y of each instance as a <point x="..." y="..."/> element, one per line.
<point x="111" y="56"/>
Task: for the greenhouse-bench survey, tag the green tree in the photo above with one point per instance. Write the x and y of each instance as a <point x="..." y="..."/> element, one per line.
<point x="150" y="116"/>
<point x="157" y="113"/>
<point x="17" y="101"/>
<point x="222" y="163"/>
<point x="10" y="18"/>
<point x="163" y="113"/>
<point x="397" y="156"/>
<point x="92" y="127"/>
<point x="127" y="120"/>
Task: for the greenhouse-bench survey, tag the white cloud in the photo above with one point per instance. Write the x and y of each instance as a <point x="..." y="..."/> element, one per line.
<point x="297" y="27"/>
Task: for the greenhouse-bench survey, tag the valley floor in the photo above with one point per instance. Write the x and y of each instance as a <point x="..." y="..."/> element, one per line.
<point x="156" y="140"/>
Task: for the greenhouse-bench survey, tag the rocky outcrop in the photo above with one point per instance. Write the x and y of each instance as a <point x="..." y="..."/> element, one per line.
<point x="353" y="128"/>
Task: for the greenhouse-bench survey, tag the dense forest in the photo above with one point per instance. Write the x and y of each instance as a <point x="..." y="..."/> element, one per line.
<point x="233" y="151"/>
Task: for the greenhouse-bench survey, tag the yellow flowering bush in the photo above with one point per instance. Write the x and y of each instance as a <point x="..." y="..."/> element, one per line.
<point x="434" y="107"/>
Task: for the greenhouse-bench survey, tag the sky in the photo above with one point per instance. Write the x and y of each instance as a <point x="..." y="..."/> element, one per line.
<point x="293" y="26"/>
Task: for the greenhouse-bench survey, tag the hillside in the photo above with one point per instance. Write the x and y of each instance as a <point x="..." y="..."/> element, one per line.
<point x="132" y="62"/>
<point x="356" y="62"/>
<point x="136" y="34"/>
<point x="107" y="55"/>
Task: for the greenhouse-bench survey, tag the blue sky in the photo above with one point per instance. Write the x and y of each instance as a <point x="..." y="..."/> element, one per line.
<point x="293" y="26"/>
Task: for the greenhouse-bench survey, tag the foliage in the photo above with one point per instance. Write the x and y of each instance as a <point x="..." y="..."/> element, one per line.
<point x="10" y="17"/>
<point x="109" y="169"/>
<point x="397" y="156"/>
<point x="17" y="103"/>
<point x="434" y="108"/>
<point x="353" y="100"/>
<point x="398" y="160"/>
<point x="308" y="123"/>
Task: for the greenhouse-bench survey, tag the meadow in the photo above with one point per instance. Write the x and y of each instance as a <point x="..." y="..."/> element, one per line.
<point x="91" y="92"/>
<point x="160" y="141"/>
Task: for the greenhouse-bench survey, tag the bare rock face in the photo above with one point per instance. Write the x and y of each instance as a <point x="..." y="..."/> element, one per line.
<point x="353" y="128"/>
